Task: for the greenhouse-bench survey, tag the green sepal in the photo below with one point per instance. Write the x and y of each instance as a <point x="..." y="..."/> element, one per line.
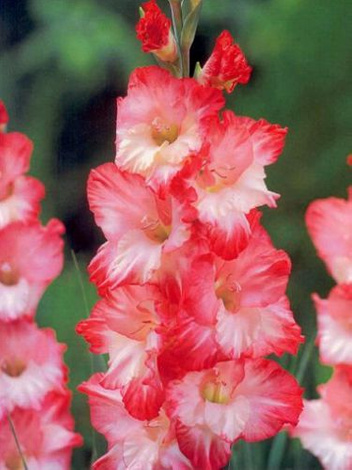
<point x="197" y="70"/>
<point x="141" y="12"/>
<point x="174" y="69"/>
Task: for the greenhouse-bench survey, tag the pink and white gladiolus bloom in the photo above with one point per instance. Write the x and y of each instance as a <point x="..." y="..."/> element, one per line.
<point x="139" y="225"/>
<point x="231" y="180"/>
<point x="20" y="195"/>
<point x="46" y="436"/>
<point x="133" y="443"/>
<point x="250" y="399"/>
<point x="30" y="258"/>
<point x="126" y="325"/>
<point x="243" y="300"/>
<point x="329" y="222"/>
<point x="161" y="123"/>
<point x="325" y="426"/>
<point x="334" y="316"/>
<point x="30" y="366"/>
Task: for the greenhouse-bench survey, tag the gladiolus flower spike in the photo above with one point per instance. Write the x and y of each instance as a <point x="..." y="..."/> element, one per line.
<point x="193" y="290"/>
<point x="325" y="426"/>
<point x="34" y="399"/>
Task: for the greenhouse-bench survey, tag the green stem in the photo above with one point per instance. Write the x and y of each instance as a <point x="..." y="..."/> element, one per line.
<point x="177" y="23"/>
<point x="304" y="362"/>
<point x="81" y="283"/>
<point x="97" y="364"/>
<point x="185" y="51"/>
<point x="13" y="430"/>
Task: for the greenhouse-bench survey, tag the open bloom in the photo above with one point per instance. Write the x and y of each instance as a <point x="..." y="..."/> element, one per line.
<point x="329" y="222"/>
<point x="335" y="325"/>
<point x="242" y="303"/>
<point x="249" y="399"/>
<point x="45" y="436"/>
<point x="325" y="426"/>
<point x="30" y="365"/>
<point x="138" y="224"/>
<point x="125" y="325"/>
<point x="232" y="180"/>
<point x="154" y="32"/>
<point x="160" y="123"/>
<point x="19" y="195"/>
<point x="30" y="258"/>
<point x="227" y="65"/>
<point x="132" y="443"/>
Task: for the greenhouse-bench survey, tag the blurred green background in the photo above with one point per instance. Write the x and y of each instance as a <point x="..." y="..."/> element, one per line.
<point x="62" y="64"/>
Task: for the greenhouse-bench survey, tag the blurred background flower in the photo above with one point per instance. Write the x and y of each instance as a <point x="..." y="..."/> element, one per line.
<point x="62" y="65"/>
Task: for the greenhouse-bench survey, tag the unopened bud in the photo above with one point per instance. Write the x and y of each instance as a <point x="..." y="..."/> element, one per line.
<point x="4" y="117"/>
<point x="154" y="32"/>
<point x="227" y="65"/>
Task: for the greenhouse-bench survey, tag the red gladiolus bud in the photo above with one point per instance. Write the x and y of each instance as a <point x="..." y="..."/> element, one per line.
<point x="4" y="117"/>
<point x="226" y="66"/>
<point x="154" y="32"/>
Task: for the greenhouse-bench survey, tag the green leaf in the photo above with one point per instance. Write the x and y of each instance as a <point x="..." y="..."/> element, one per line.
<point x="190" y="24"/>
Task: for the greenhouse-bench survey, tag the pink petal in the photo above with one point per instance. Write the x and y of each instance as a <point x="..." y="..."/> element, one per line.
<point x="274" y="398"/>
<point x="329" y="222"/>
<point x="204" y="449"/>
<point x="131" y="260"/>
<point x="112" y="196"/>
<point x="258" y="331"/>
<point x="143" y="398"/>
<point x="268" y="140"/>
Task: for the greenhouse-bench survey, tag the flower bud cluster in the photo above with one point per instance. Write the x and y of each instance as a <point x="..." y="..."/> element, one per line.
<point x="325" y="427"/>
<point x="193" y="290"/>
<point x="34" y="399"/>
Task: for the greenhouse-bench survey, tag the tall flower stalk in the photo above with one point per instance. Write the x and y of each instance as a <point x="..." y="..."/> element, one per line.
<point x="325" y="427"/>
<point x="193" y="290"/>
<point x="36" y="428"/>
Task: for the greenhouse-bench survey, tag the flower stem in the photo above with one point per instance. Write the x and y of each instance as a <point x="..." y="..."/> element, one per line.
<point x="177" y="22"/>
<point x="185" y="51"/>
<point x="13" y="430"/>
<point x="81" y="283"/>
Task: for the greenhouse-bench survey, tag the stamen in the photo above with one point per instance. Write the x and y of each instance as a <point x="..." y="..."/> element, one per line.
<point x="162" y="132"/>
<point x="216" y="392"/>
<point x="14" y="463"/>
<point x="13" y="368"/>
<point x="154" y="230"/>
<point x="218" y="174"/>
<point x="8" y="275"/>
<point x="228" y="291"/>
